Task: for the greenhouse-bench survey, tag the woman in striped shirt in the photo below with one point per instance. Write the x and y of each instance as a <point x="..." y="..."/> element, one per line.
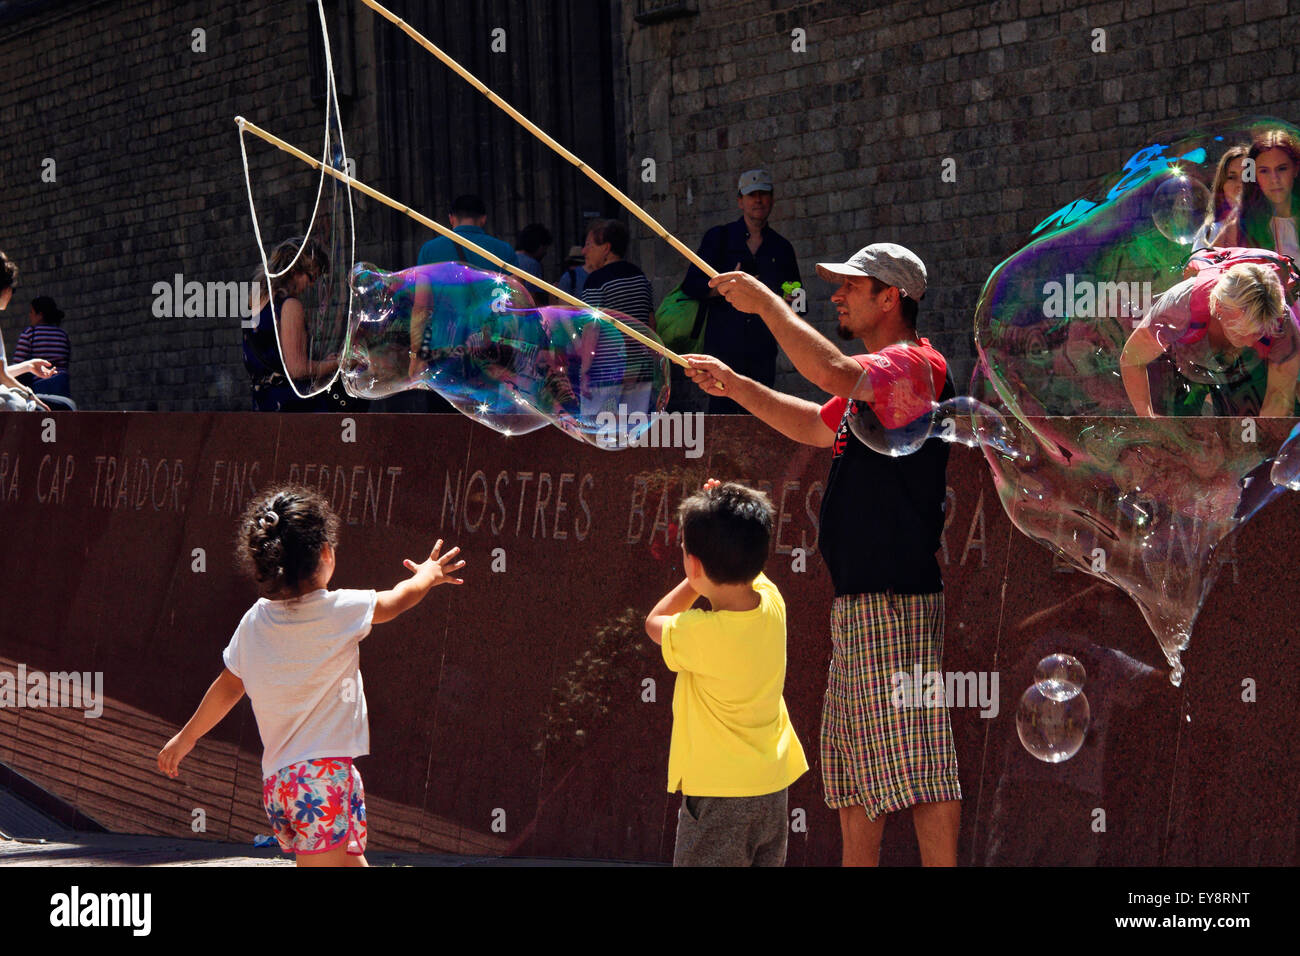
<point x="612" y="282"/>
<point x="44" y="339"/>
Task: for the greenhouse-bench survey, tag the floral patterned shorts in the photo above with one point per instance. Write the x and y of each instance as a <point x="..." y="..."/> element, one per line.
<point x="315" y="805"/>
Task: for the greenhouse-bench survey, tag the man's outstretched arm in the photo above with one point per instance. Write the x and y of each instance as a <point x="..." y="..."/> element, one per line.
<point x="814" y="356"/>
<point x="792" y="417"/>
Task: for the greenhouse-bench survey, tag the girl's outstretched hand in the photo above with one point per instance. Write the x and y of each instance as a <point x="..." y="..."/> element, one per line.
<point x="170" y="757"/>
<point x="435" y="570"/>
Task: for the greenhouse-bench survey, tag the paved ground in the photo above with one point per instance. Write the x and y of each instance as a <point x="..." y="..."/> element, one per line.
<point x="115" y="849"/>
<point x="29" y="837"/>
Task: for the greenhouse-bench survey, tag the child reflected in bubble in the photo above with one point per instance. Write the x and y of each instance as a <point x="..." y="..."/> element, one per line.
<point x="1206" y="337"/>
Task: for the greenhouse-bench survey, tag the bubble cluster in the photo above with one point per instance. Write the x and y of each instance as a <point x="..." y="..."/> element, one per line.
<point x="476" y="338"/>
<point x="1053" y="716"/>
<point x="1141" y="502"/>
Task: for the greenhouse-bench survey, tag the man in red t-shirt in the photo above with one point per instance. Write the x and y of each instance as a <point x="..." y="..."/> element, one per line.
<point x="879" y="530"/>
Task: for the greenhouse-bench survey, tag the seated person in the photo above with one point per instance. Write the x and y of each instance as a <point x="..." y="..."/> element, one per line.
<point x="1208" y="335"/>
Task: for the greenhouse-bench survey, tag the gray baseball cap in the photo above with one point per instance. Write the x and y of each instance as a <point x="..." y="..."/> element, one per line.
<point x="886" y="261"/>
<point x="753" y="181"/>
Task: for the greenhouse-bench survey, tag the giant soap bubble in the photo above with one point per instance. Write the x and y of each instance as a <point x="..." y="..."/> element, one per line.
<point x="477" y="339"/>
<point x="1143" y="502"/>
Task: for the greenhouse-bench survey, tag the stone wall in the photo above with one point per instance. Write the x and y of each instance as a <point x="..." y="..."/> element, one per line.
<point x="855" y="128"/>
<point x="853" y="111"/>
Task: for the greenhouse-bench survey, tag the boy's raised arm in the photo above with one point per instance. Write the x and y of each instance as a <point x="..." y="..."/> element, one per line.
<point x="676" y="601"/>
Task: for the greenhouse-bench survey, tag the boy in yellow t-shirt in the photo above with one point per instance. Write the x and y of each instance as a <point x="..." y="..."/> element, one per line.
<point x="734" y="752"/>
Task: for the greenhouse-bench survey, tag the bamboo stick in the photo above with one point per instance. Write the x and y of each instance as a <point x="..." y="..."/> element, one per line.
<point x="529" y="125"/>
<point x="423" y="220"/>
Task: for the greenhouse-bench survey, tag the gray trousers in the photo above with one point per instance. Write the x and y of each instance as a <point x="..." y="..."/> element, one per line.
<point x="732" y="831"/>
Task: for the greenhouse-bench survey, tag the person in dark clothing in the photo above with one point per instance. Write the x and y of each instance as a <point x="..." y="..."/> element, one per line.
<point x="739" y="340"/>
<point x="879" y="529"/>
<point x="271" y="359"/>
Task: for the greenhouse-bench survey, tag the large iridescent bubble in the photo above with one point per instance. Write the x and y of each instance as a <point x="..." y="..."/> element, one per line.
<point x="477" y="339"/>
<point x="1142" y="502"/>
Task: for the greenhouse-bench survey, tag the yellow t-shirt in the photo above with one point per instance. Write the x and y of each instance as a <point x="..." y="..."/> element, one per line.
<point x="732" y="735"/>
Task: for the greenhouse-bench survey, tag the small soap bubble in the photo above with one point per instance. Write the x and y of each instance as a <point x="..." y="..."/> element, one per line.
<point x="1178" y="208"/>
<point x="891" y="410"/>
<point x="1059" y="676"/>
<point x="1052" y="730"/>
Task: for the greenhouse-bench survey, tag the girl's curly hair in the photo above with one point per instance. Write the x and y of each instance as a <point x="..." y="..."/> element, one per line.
<point x="281" y="535"/>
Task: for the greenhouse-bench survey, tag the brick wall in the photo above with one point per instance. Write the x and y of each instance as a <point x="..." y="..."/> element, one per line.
<point x="148" y="181"/>
<point x="855" y="129"/>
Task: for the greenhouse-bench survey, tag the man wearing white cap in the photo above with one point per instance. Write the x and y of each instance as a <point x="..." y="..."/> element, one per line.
<point x="747" y="245"/>
<point x="879" y="529"/>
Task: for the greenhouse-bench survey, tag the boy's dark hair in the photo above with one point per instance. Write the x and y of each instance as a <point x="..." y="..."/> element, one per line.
<point x="8" y="272"/>
<point x="729" y="528"/>
<point x="281" y="535"/>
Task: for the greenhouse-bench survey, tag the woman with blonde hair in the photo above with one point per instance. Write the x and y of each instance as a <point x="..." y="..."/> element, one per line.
<point x="1207" y="336"/>
<point x="271" y="362"/>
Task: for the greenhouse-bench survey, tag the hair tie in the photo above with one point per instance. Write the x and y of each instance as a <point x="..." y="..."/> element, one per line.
<point x="268" y="520"/>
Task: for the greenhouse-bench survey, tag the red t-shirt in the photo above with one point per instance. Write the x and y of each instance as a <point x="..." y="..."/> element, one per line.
<point x="882" y="516"/>
<point x="906" y="379"/>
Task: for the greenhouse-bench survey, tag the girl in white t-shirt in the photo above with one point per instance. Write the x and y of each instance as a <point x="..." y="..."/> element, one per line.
<point x="295" y="654"/>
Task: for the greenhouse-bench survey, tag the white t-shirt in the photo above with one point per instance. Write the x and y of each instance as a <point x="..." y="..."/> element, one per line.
<point x="1284" y="236"/>
<point x="300" y="662"/>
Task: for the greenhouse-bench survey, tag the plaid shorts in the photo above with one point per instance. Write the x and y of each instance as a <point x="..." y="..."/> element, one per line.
<point x="315" y="805"/>
<point x="875" y="754"/>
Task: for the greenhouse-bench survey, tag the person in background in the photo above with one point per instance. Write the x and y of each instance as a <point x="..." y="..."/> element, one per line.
<point x="531" y="246"/>
<point x="574" y="278"/>
<point x="1270" y="204"/>
<point x="1221" y="228"/>
<point x="469" y="219"/>
<point x="14" y="396"/>
<point x="612" y="282"/>
<point x="740" y="341"/>
<point x="44" y="339"/>
<point x="272" y="362"/>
